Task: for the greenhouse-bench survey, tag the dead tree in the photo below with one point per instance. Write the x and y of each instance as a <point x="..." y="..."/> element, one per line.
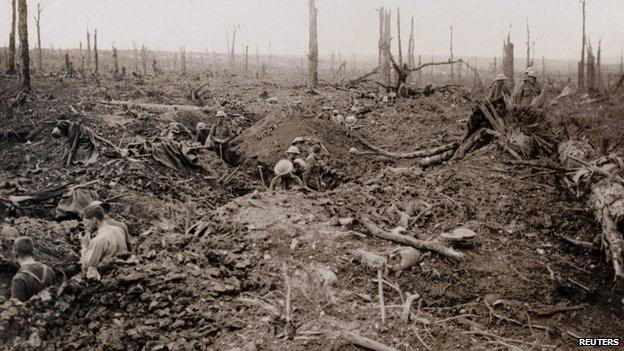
<point x="543" y="67"/>
<point x="508" y="57"/>
<point x="24" y="53"/>
<point x="246" y="58"/>
<point x="11" y="61"/>
<point x="115" y="63"/>
<point x="144" y="59"/>
<point x="39" y="51"/>
<point x="581" y="64"/>
<point x="95" y="53"/>
<point x="136" y="57"/>
<point x="529" y="46"/>
<point x="590" y="72"/>
<point x="399" y="36"/>
<point x="88" y="48"/>
<point x="232" y="55"/>
<point x="599" y="80"/>
<point x="183" y="60"/>
<point x="410" y="46"/>
<point x="69" y="67"/>
<point x="82" y="61"/>
<point x="333" y="62"/>
<point x="452" y="68"/>
<point x="419" y="71"/>
<point x="385" y="66"/>
<point x="313" y="47"/>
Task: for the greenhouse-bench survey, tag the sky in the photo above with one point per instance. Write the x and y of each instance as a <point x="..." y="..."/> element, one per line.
<point x="346" y="26"/>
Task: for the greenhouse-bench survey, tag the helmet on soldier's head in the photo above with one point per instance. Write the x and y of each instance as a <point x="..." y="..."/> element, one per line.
<point x="221" y="114"/>
<point x="299" y="163"/>
<point x="500" y="77"/>
<point x="316" y="148"/>
<point x="297" y="140"/>
<point x="200" y="126"/>
<point x="283" y="167"/>
<point x="293" y="150"/>
<point x="531" y="72"/>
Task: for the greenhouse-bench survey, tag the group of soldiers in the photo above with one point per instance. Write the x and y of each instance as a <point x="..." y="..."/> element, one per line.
<point x="294" y="169"/>
<point x="525" y="93"/>
<point x="104" y="238"/>
<point x="218" y="137"/>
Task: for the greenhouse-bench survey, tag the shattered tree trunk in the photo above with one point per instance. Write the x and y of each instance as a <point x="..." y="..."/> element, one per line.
<point x="136" y="57"/>
<point x="385" y="67"/>
<point x="313" y="47"/>
<point x="399" y="36"/>
<point x="82" y="60"/>
<point x="606" y="195"/>
<point x="95" y="53"/>
<point x="183" y="60"/>
<point x="24" y="53"/>
<point x="590" y="70"/>
<point x="508" y="58"/>
<point x="529" y="63"/>
<point x="452" y="65"/>
<point x="144" y="59"/>
<point x="410" y="48"/>
<point x="115" y="63"/>
<point x="246" y="58"/>
<point x="599" y="78"/>
<point x="581" y="64"/>
<point x="88" y="57"/>
<point x="39" y="51"/>
<point x="11" y="61"/>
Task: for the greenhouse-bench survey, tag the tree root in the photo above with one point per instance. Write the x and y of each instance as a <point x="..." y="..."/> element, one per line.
<point x="413" y="154"/>
<point x="408" y="240"/>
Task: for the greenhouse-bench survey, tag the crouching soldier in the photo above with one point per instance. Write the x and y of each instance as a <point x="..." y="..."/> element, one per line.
<point x="32" y="276"/>
<point x="312" y="173"/>
<point x="109" y="240"/>
<point x="284" y="175"/>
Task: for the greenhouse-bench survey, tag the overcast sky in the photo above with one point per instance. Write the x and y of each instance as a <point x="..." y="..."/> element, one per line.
<point x="348" y="26"/>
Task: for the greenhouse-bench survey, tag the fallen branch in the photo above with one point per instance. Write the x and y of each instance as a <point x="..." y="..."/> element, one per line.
<point x="436" y="159"/>
<point x="419" y="153"/>
<point x="408" y="240"/>
<point x="407" y="307"/>
<point x="158" y="108"/>
<point x="468" y="144"/>
<point x="48" y="194"/>
<point x="363" y="77"/>
<point x="381" y="295"/>
<point x="365" y="342"/>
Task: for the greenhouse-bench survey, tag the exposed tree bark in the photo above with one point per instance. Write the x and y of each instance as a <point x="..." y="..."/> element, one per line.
<point x="410" y="49"/>
<point x="419" y="71"/>
<point x="581" y="65"/>
<point x="88" y="57"/>
<point x="82" y="59"/>
<point x="136" y="57"/>
<point x="95" y="53"/>
<point x="183" y="60"/>
<point x="232" y="55"/>
<point x="313" y="47"/>
<point x="39" y="51"/>
<point x="590" y="69"/>
<point x="11" y="61"/>
<point x="452" y="68"/>
<point x="529" y="46"/>
<point x="144" y="59"/>
<point x="508" y="58"/>
<point x="599" y="79"/>
<point x="399" y="36"/>
<point x="115" y="63"/>
<point x="246" y="58"/>
<point x="24" y="53"/>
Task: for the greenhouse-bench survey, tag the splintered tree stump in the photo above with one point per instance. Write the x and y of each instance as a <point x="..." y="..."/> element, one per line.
<point x="607" y="200"/>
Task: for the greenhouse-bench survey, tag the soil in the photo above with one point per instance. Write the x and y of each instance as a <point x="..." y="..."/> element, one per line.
<point x="287" y="250"/>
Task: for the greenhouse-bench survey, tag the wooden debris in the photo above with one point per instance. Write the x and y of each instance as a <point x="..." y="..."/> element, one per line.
<point x="407" y="240"/>
<point x="365" y="342"/>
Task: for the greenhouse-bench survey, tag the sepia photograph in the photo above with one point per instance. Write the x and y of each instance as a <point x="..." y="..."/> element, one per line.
<point x="258" y="175"/>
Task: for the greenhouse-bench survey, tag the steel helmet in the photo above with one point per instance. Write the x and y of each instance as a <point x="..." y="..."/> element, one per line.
<point x="531" y="72"/>
<point x="299" y="162"/>
<point x="293" y="150"/>
<point x="283" y="167"/>
<point x="200" y="126"/>
<point x="221" y="114"/>
<point x="500" y="76"/>
<point x="297" y="140"/>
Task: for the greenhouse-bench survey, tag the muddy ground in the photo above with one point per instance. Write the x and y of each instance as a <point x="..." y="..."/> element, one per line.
<point x="275" y="271"/>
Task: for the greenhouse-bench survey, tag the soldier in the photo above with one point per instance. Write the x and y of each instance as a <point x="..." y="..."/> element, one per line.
<point x="202" y="133"/>
<point x="109" y="240"/>
<point x="292" y="153"/>
<point x="528" y="89"/>
<point x="32" y="276"/>
<point x="312" y="171"/>
<point x="111" y="221"/>
<point x="220" y="135"/>
<point x="284" y="175"/>
<point x="498" y="93"/>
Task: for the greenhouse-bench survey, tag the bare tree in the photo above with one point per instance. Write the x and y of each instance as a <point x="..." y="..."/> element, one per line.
<point x="399" y="36"/>
<point x="183" y="60"/>
<point x="39" y="51"/>
<point x="313" y="47"/>
<point x="95" y="53"/>
<point x="529" y="46"/>
<point x="599" y="80"/>
<point x="232" y="61"/>
<point x="452" y="68"/>
<point x="24" y="53"/>
<point x="115" y="63"/>
<point x="88" y="48"/>
<point x="508" y="57"/>
<point x="590" y="71"/>
<point x="581" y="64"/>
<point x="410" y="47"/>
<point x="11" y="61"/>
<point x="246" y="58"/>
<point x="385" y="66"/>
<point x="82" y="59"/>
<point x="136" y="57"/>
<point x="144" y="59"/>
